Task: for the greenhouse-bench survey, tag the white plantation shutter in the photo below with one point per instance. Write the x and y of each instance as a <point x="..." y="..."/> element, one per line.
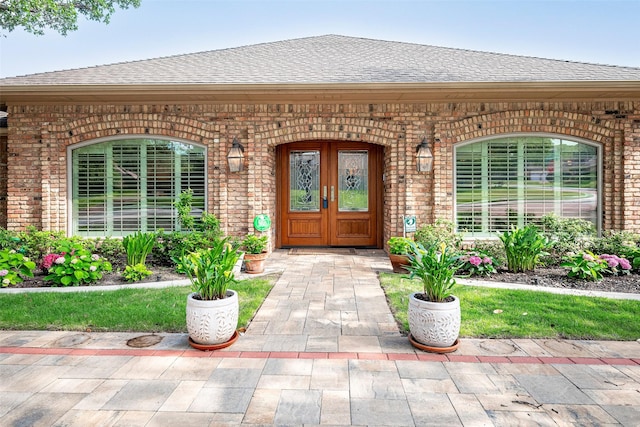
<point x="124" y="186"/>
<point x="516" y="180"/>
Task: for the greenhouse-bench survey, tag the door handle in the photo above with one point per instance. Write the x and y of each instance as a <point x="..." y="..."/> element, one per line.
<point x="325" y="204"/>
<point x="333" y="195"/>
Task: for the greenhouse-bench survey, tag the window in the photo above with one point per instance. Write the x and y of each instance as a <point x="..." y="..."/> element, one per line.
<point x="517" y="180"/>
<point x="123" y="186"/>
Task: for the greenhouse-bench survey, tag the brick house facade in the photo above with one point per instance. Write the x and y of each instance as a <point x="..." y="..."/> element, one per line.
<point x="43" y="124"/>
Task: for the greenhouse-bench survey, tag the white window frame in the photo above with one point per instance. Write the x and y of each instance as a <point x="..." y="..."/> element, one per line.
<point x="599" y="169"/>
<point x="71" y="148"/>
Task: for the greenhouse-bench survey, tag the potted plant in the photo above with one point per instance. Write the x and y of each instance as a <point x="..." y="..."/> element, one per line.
<point x="255" y="253"/>
<point x="212" y="308"/>
<point x="399" y="250"/>
<point x="434" y="313"/>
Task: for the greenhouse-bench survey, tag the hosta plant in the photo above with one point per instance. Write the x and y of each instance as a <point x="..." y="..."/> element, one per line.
<point x="137" y="246"/>
<point x="524" y="247"/>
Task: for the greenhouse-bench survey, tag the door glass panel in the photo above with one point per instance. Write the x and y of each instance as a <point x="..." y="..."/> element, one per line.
<point x="353" y="192"/>
<point x="304" y="167"/>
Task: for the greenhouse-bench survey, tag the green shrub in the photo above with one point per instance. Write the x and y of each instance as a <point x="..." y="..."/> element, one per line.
<point x="75" y="266"/>
<point x="616" y="242"/>
<point x="442" y="231"/>
<point x="493" y="249"/>
<point x="567" y="235"/>
<point x="170" y="247"/>
<point x="112" y="249"/>
<point x="36" y="244"/>
<point x="435" y="266"/>
<point x="9" y="240"/>
<point x="523" y="247"/>
<point x="14" y="266"/>
<point x="399" y="245"/>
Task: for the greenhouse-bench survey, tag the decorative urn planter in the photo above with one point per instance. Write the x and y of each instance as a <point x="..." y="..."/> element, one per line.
<point x="434" y="325"/>
<point x="212" y="322"/>
<point x="254" y="263"/>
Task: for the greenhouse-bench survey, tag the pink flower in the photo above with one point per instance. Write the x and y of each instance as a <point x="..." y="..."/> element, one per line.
<point x="624" y="264"/>
<point x="4" y="273"/>
<point x="474" y="260"/>
<point x="487" y="260"/>
<point x="587" y="257"/>
<point x="48" y="261"/>
<point x="612" y="263"/>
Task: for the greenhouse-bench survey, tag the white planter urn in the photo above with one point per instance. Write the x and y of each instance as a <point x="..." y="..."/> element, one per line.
<point x="212" y="322"/>
<point x="434" y="324"/>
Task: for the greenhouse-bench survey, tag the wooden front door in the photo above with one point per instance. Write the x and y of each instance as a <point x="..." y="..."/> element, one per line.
<point x="330" y="194"/>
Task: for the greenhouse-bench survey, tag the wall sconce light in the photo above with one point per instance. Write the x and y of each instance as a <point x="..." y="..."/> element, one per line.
<point x="424" y="157"/>
<point x="235" y="157"/>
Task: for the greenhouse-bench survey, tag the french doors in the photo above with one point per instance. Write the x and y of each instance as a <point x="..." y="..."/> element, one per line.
<point x="330" y="194"/>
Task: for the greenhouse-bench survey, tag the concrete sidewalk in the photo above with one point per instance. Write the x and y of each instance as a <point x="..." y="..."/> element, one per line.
<point x="323" y="349"/>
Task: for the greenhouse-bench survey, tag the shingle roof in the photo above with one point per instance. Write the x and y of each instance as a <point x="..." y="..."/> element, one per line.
<point x="333" y="59"/>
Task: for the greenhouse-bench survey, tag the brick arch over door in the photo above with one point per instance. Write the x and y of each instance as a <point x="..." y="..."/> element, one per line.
<point x="604" y="132"/>
<point x="343" y="129"/>
<point x="59" y="137"/>
<point x="390" y="135"/>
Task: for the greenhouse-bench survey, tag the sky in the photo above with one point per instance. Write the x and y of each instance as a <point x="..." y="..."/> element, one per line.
<point x="602" y="32"/>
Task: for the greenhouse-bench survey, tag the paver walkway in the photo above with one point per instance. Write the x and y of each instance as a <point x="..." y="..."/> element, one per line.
<point x="323" y="349"/>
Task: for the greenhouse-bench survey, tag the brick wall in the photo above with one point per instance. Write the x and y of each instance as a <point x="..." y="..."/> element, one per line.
<point x="39" y="137"/>
<point x="3" y="178"/>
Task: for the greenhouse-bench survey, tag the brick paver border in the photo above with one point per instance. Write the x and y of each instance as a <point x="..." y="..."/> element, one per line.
<point x="425" y="357"/>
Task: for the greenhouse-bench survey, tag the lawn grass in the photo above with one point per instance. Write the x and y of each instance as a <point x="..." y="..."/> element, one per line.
<point x="126" y="310"/>
<point x="526" y="314"/>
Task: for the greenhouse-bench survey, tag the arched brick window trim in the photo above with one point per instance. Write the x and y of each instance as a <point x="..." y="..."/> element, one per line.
<point x="582" y="126"/>
<point x="54" y="187"/>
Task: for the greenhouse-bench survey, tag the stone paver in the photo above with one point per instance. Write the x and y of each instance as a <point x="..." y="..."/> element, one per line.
<point x="322" y="350"/>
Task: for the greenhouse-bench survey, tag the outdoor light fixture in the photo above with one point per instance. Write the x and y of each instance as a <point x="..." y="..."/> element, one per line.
<point x="235" y="156"/>
<point x="424" y="157"/>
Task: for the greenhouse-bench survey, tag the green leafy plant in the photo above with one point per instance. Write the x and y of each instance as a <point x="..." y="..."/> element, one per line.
<point x="585" y="265"/>
<point x="616" y="242"/>
<point x="112" y="249"/>
<point x="211" y="270"/>
<point x="567" y="235"/>
<point x="135" y="273"/>
<point x="14" y="266"/>
<point x="435" y="266"/>
<point x="491" y="248"/>
<point x="442" y="231"/>
<point x="524" y="247"/>
<point x="138" y="246"/>
<point x="399" y="245"/>
<point x="477" y="264"/>
<point x="253" y="244"/>
<point x="75" y="266"/>
<point x="183" y="206"/>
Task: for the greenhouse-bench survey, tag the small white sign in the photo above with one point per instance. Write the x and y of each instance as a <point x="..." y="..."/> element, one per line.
<point x="409" y="223"/>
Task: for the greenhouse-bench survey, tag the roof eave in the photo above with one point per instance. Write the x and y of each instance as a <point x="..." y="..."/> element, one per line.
<point x="321" y="93"/>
